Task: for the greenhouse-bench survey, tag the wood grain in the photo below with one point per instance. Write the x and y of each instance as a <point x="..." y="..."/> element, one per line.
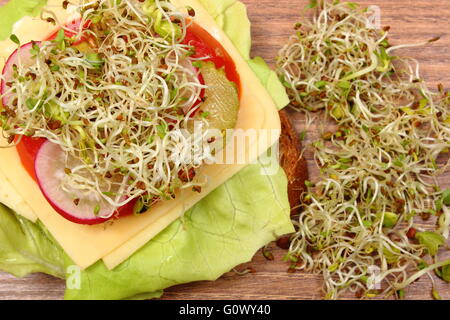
<point x="272" y="20"/>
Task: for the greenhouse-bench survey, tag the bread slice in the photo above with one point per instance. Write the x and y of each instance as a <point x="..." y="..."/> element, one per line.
<point x="292" y="161"/>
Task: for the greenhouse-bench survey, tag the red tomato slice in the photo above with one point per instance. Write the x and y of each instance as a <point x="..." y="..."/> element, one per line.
<point x="28" y="149"/>
<point x="207" y="46"/>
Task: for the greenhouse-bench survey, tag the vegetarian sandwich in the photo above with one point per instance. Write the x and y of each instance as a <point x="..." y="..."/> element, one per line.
<point x="112" y="113"/>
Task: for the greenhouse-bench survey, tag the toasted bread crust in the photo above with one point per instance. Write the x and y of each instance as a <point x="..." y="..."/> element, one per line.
<point x="292" y="161"/>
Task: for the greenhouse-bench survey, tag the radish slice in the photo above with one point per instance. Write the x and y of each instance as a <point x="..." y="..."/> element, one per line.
<point x="50" y="172"/>
<point x="26" y="57"/>
<point x="20" y="56"/>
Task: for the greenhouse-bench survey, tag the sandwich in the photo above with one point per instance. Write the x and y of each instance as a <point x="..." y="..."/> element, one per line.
<point x="114" y="115"/>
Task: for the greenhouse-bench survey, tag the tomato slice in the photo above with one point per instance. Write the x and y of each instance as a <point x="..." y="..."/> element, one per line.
<point x="207" y="46"/>
<point x="28" y="149"/>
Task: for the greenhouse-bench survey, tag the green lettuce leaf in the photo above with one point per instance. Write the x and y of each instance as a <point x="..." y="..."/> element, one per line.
<point x="431" y="240"/>
<point x="26" y="247"/>
<point x="270" y="80"/>
<point x="445" y="273"/>
<point x="222" y="231"/>
<point x="231" y="16"/>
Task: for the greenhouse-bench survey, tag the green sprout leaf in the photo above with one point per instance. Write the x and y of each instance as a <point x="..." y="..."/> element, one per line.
<point x="312" y="4"/>
<point x="337" y="112"/>
<point x="435" y="294"/>
<point x="344" y="84"/>
<point x="60" y="36"/>
<point x="445" y="273"/>
<point x="35" y="49"/>
<point x="390" y="219"/>
<point x="95" y="60"/>
<point x="204" y="114"/>
<point x="431" y="240"/>
<point x="139" y="207"/>
<point x="321" y="84"/>
<point x="352" y="5"/>
<point x="33" y="103"/>
<point x="309" y="184"/>
<point x="302" y="135"/>
<point x="197" y="64"/>
<point x="162" y="129"/>
<point x="60" y="39"/>
<point x="14" y="39"/>
<point x="446" y="197"/>
<point x="97" y="210"/>
<point x="384" y="61"/>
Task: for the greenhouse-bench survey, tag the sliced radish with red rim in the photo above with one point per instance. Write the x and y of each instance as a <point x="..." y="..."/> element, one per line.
<point x="50" y="167"/>
<point x="25" y="55"/>
<point x="21" y="56"/>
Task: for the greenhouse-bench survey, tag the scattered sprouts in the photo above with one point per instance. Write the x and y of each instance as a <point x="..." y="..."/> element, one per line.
<point x="360" y="225"/>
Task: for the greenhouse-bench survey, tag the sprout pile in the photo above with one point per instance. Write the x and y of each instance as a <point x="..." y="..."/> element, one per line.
<point x="117" y="96"/>
<point x="361" y="224"/>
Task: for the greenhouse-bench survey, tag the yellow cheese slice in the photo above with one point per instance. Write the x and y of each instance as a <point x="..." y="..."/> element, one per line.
<point x="12" y="199"/>
<point x="117" y="241"/>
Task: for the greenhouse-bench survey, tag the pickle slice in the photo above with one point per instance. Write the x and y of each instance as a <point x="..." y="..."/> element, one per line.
<point x="221" y="106"/>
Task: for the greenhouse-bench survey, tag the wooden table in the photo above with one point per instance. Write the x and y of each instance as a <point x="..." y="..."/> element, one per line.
<point x="411" y="21"/>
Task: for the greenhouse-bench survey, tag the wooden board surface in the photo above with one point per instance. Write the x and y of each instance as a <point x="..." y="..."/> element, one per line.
<point x="411" y="20"/>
